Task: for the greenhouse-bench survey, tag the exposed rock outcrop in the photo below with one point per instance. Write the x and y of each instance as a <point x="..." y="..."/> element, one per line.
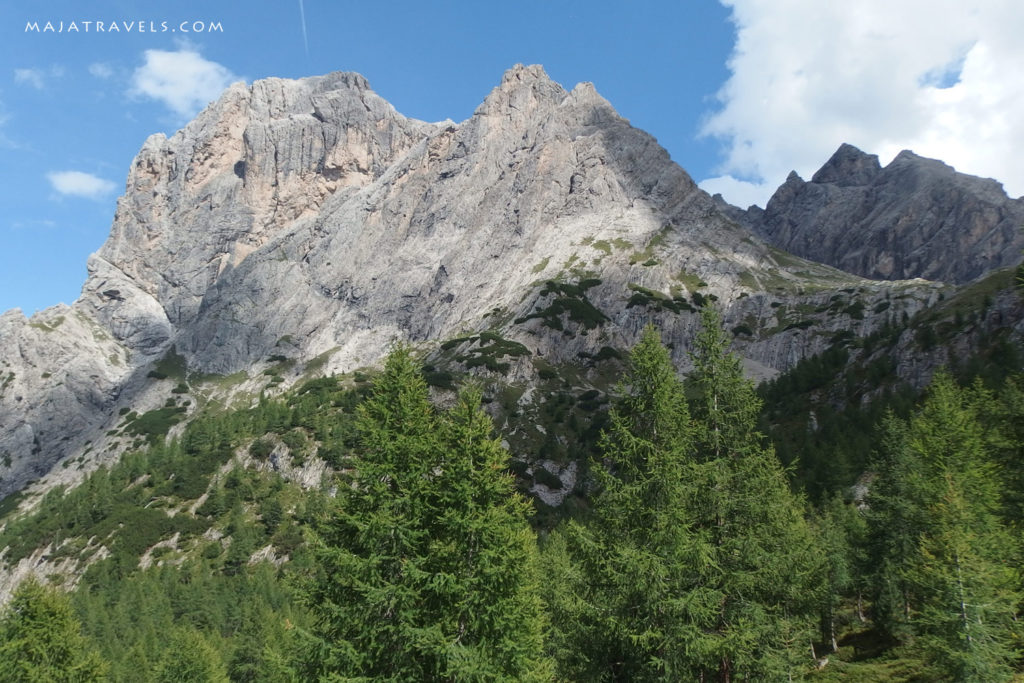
<point x="309" y="221"/>
<point x="915" y="217"/>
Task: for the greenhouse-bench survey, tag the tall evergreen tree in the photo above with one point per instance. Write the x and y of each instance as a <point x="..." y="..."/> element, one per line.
<point x="754" y="588"/>
<point x="41" y="640"/>
<point x="698" y="564"/>
<point x="628" y="618"/>
<point x="427" y="567"/>
<point x="897" y="518"/>
<point x="841" y="531"/>
<point x="938" y="534"/>
<point x="189" y="656"/>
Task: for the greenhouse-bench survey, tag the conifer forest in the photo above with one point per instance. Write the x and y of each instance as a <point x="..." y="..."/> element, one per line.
<point x="379" y="526"/>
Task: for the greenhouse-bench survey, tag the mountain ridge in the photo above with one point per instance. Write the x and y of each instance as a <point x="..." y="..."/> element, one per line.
<point x="297" y="228"/>
<point x="900" y="221"/>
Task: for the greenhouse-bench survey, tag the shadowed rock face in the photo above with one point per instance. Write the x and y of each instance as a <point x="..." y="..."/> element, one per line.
<point x="915" y="217"/>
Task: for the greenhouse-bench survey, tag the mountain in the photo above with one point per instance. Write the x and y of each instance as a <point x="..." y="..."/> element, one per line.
<point x="915" y="217"/>
<point x="300" y="228"/>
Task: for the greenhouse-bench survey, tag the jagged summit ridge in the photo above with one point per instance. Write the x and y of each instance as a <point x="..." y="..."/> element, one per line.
<point x="309" y="220"/>
<point x="916" y="217"/>
<point x="312" y="211"/>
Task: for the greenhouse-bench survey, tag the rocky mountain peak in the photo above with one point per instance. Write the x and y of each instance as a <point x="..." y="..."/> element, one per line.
<point x="898" y="222"/>
<point x="309" y="221"/>
<point x="848" y="166"/>
<point x="524" y="91"/>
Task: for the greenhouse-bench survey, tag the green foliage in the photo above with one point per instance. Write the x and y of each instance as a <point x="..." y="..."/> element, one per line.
<point x="759" y="570"/>
<point x="155" y="424"/>
<point x="656" y="300"/>
<point x="427" y="567"/>
<point x="944" y="561"/>
<point x="190" y="657"/>
<point x="841" y="530"/>
<point x="261" y="448"/>
<point x="697" y="562"/>
<point x="688" y="556"/>
<point x="172" y="366"/>
<point x="491" y="350"/>
<point x="41" y="640"/>
<point x="626" y="619"/>
<point x="569" y="299"/>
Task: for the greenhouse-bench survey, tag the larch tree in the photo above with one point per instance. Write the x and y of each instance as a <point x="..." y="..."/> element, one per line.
<point x="427" y="568"/>
<point x="41" y="640"/>
<point x="755" y="586"/>
<point x="627" y="570"/>
<point x="939" y="537"/>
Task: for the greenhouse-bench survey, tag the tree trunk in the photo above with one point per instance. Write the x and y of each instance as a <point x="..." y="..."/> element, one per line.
<point x="725" y="671"/>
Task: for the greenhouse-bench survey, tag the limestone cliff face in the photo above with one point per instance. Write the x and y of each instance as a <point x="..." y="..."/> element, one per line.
<point x="309" y="220"/>
<point x="916" y="217"/>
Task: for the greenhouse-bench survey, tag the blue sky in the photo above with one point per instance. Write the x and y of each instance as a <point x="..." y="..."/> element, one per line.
<point x="739" y="92"/>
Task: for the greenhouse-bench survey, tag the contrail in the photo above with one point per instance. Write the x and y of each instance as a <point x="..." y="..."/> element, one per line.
<point x="302" y="15"/>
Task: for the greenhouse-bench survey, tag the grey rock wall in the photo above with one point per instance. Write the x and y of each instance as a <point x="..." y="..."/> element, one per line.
<point x="915" y="217"/>
<point x="308" y="219"/>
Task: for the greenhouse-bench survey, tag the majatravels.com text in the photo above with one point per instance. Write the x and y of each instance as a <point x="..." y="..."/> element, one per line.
<point x="124" y="27"/>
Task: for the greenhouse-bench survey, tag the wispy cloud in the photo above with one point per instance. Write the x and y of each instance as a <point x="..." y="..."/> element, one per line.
<point x="36" y="77"/>
<point x="182" y="80"/>
<point x="101" y="70"/>
<point x="809" y="75"/>
<point x="79" y="184"/>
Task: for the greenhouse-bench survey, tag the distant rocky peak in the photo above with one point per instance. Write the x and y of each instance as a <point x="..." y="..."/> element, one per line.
<point x="916" y="217"/>
<point x="849" y="166"/>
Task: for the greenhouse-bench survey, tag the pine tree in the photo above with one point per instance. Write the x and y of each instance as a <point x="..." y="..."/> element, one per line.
<point x="426" y="565"/>
<point x="41" y="640"/>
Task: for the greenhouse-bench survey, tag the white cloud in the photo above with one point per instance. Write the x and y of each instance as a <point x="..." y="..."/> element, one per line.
<point x="934" y="76"/>
<point x="79" y="184"/>
<point x="36" y="77"/>
<point x="740" y="193"/>
<point x="33" y="77"/>
<point x="183" y="80"/>
<point x="101" y="70"/>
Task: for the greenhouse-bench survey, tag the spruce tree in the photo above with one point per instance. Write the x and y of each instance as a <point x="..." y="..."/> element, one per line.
<point x="426" y="564"/>
<point x="41" y="640"/>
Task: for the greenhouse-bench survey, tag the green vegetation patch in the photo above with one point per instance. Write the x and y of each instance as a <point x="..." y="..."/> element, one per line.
<point x="171" y="366"/>
<point x="155" y="424"/>
<point x="491" y="350"/>
<point x="571" y="300"/>
<point x="50" y="326"/>
<point x="690" y="281"/>
<point x="657" y="301"/>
